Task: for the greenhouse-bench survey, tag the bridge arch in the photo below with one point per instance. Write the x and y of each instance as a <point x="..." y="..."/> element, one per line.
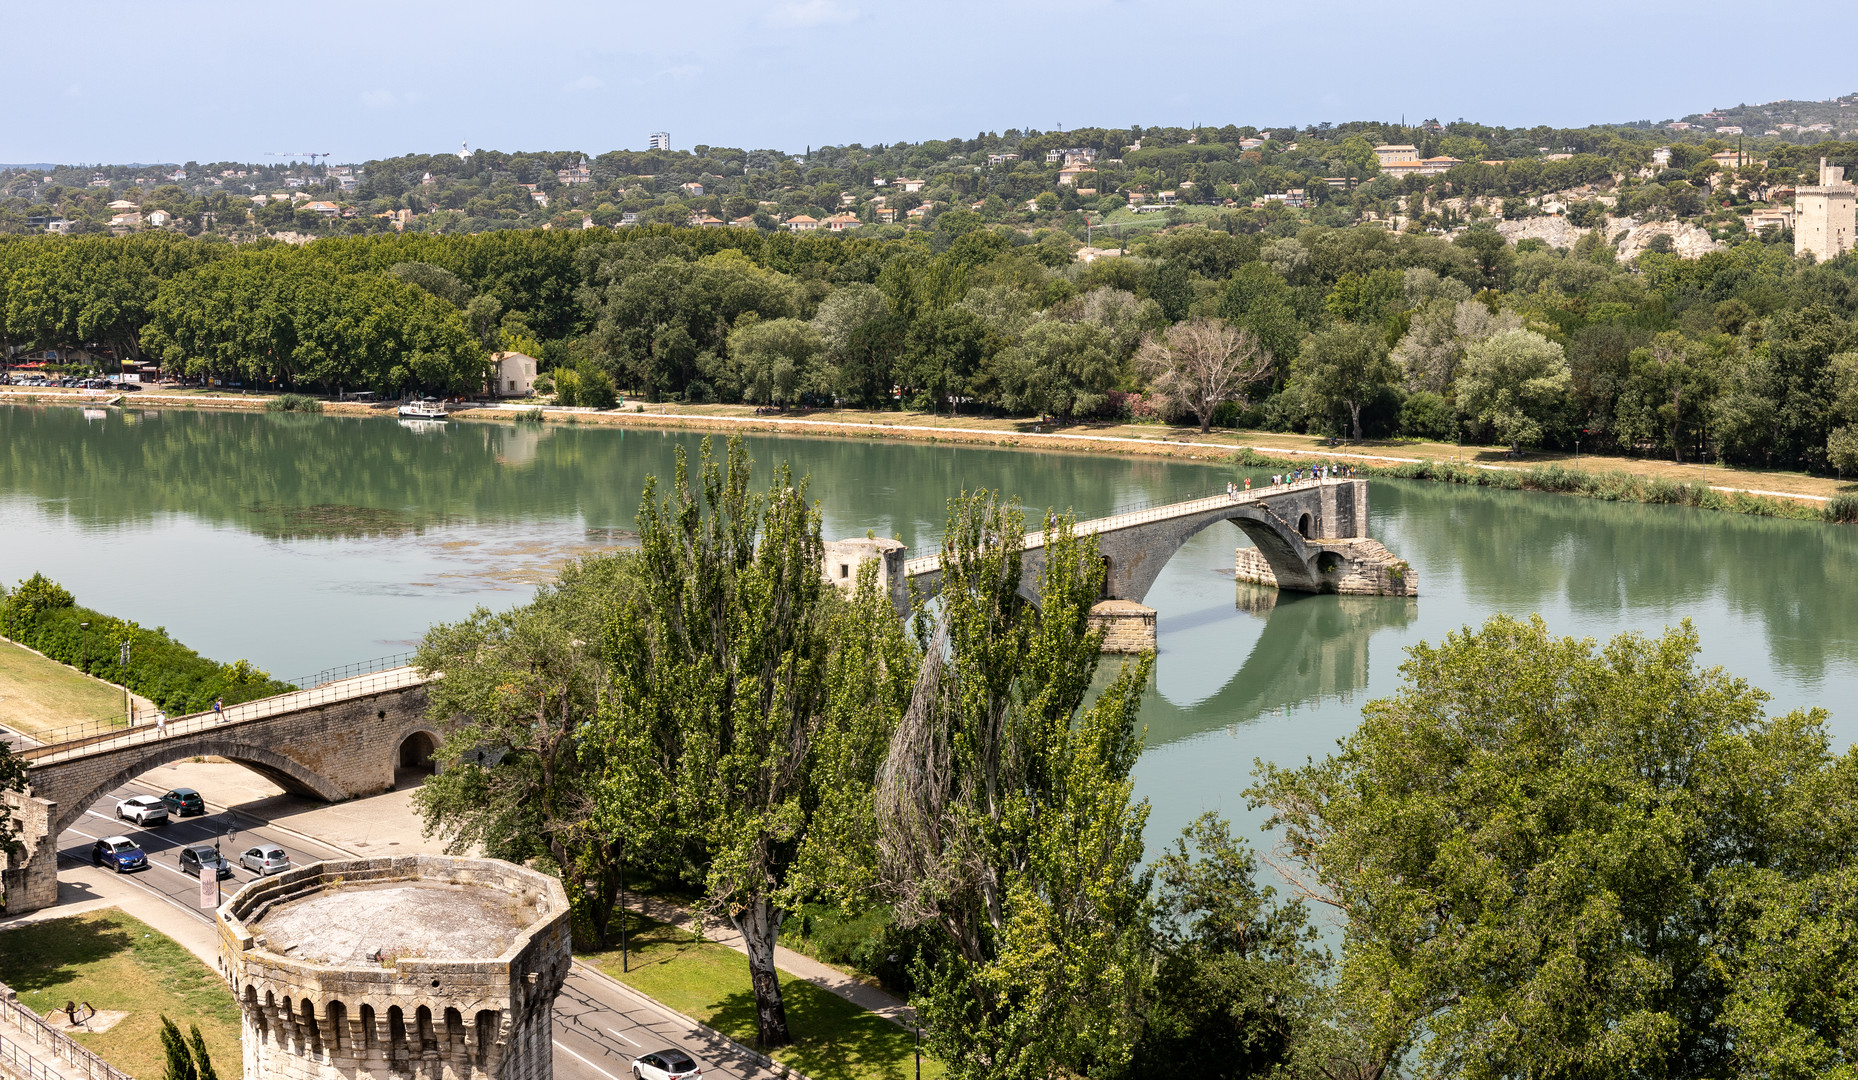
<point x="273" y="766"/>
<point x="417" y="749"/>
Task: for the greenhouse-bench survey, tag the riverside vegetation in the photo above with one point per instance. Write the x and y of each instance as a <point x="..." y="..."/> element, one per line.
<point x="1745" y="356"/>
<point x="1545" y="856"/>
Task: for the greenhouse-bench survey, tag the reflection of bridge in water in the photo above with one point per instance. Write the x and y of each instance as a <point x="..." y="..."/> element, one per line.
<point x="1311" y="647"/>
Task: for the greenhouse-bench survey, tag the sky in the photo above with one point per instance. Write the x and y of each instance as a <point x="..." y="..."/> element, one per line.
<point x="189" y="80"/>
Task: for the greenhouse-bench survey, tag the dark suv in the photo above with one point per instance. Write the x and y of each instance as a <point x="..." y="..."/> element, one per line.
<point x="185" y="802"/>
<point x="197" y="857"/>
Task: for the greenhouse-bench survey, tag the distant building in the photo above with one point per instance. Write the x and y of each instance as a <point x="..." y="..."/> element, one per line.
<point x="1778" y="217"/>
<point x="1067" y="176"/>
<point x="1001" y="159"/>
<point x="630" y="217"/>
<point x="746" y="221"/>
<point x="1729" y="129"/>
<point x="660" y="140"/>
<point x="705" y="220"/>
<point x="515" y="375"/>
<point x="842" y="222"/>
<point x="1432" y="166"/>
<point x="326" y="209"/>
<point x="1387" y="153"/>
<point x="907" y="184"/>
<point x="885" y="214"/>
<point x="801" y="223"/>
<point x="1661" y="158"/>
<point x="692" y="190"/>
<point x="159" y="218"/>
<point x="1251" y="144"/>
<point x="574" y="174"/>
<point x="1825" y="215"/>
<point x="122" y="205"/>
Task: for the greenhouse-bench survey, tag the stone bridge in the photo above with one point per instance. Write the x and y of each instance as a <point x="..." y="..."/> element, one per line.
<point x="336" y="741"/>
<point x="1309" y="536"/>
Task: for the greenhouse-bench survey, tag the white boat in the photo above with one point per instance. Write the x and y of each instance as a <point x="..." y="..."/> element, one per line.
<point x="422" y="410"/>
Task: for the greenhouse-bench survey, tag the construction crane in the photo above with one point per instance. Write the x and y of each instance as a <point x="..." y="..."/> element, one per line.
<point x="303" y="154"/>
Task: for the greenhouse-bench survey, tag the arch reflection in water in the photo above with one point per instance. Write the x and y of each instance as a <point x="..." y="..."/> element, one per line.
<point x="1310" y="648"/>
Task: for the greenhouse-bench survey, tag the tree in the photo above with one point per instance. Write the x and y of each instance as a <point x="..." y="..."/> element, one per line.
<point x="1345" y="365"/>
<point x="773" y="358"/>
<point x="1005" y="812"/>
<point x="1202" y="363"/>
<point x="1666" y="394"/>
<point x="1235" y="989"/>
<point x="1058" y="369"/>
<point x="520" y="770"/>
<point x="1515" y="382"/>
<point x="1538" y="843"/>
<point x="185" y="1058"/>
<point x="768" y="735"/>
<point x="1258" y="300"/>
<point x="856" y="327"/>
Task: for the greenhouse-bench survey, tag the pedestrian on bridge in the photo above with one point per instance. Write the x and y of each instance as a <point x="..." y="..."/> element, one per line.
<point x="161" y="722"/>
<point x="219" y="705"/>
<point x="1248" y="483"/>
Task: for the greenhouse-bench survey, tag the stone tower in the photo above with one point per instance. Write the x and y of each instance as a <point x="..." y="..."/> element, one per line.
<point x="1825" y="215"/>
<point x="417" y="966"/>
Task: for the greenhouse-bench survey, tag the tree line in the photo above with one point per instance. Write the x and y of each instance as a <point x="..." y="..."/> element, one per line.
<point x="1544" y="856"/>
<point x="1741" y="355"/>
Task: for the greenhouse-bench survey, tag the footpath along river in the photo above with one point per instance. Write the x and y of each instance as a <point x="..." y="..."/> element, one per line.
<point x="306" y="542"/>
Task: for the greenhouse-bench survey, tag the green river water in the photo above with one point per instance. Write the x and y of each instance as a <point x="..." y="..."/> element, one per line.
<point x="305" y="542"/>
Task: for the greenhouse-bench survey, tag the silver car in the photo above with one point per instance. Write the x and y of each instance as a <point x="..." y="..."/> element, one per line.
<point x="265" y="861"/>
<point x="144" y="810"/>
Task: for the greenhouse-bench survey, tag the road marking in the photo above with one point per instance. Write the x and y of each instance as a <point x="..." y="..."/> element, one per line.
<point x="590" y="1064"/>
<point x="621" y="1036"/>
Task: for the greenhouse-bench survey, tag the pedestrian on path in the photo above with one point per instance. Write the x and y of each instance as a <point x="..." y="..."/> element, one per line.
<point x="161" y="722"/>
<point x="1248" y="483"/>
<point x="218" y="705"/>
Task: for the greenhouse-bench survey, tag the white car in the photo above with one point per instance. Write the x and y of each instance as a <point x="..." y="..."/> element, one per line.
<point x="265" y="861"/>
<point x="144" y="810"/>
<point x="665" y="1065"/>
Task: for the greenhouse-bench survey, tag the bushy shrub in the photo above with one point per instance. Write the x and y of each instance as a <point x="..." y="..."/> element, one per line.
<point x="294" y="403"/>
<point x="43" y="615"/>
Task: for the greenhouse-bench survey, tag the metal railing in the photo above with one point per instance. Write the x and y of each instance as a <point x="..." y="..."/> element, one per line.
<point x="349" y="671"/>
<point x="197" y="723"/>
<point x="68" y="1060"/>
<point x="929" y="564"/>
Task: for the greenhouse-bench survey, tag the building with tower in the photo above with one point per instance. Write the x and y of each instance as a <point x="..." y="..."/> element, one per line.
<point x="1825" y="215"/>
<point x="426" y="967"/>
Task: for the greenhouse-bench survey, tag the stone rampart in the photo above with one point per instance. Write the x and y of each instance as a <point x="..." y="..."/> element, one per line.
<point x="438" y="1017"/>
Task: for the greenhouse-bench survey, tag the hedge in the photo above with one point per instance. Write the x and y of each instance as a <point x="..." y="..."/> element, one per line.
<point x="43" y="615"/>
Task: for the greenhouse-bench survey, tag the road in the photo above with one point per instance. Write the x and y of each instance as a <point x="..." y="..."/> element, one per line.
<point x="599" y="1028"/>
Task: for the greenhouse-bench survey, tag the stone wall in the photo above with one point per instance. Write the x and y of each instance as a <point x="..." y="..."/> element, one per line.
<point x="1128" y="627"/>
<point x="1350" y="567"/>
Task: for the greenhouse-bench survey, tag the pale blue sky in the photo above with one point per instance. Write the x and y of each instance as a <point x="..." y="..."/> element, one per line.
<point x="114" y="81"/>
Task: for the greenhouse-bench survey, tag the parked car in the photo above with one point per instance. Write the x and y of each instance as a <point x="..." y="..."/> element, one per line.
<point x="265" y="861"/>
<point x="119" y="853"/>
<point x="185" y="802"/>
<point x="144" y="810"/>
<point x="665" y="1065"/>
<point x="197" y="857"/>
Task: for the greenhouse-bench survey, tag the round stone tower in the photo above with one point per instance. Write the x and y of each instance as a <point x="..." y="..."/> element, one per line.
<point x="427" y="966"/>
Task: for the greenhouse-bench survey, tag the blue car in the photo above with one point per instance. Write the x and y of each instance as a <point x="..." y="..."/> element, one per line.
<point x="119" y="853"/>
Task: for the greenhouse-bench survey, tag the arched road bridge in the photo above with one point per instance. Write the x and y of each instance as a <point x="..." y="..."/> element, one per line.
<point x="335" y="741"/>
<point x="1308" y="536"/>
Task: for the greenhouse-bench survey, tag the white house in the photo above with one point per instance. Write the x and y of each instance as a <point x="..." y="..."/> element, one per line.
<point x="515" y="375"/>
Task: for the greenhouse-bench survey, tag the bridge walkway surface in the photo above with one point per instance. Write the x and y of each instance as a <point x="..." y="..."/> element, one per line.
<point x="105" y="739"/>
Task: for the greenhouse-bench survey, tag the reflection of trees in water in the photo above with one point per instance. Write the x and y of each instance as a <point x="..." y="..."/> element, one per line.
<point x="349" y="476"/>
<point x="1311" y="648"/>
<point x="1517" y="551"/>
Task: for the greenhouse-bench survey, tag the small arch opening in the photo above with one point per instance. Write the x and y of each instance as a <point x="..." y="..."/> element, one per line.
<point x="310" y="1027"/>
<point x="428" y="1038"/>
<point x="369" y="1038"/>
<point x="488" y="1021"/>
<point x="1108" y="568"/>
<point x="415" y="760"/>
<point x="396" y="1032"/>
<point x="338" y="1023"/>
<point x="1304" y="525"/>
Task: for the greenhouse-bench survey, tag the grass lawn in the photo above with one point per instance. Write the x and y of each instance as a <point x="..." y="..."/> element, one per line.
<point x="709" y="982"/>
<point x="115" y="961"/>
<point x="39" y="695"/>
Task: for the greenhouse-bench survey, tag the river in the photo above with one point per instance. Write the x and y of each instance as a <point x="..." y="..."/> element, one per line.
<point x="304" y="543"/>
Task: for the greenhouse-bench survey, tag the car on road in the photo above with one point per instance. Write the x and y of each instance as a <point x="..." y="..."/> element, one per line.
<point x="197" y="857"/>
<point x="119" y="853"/>
<point x="265" y="861"/>
<point x="185" y="802"/>
<point x="665" y="1065"/>
<point x="144" y="810"/>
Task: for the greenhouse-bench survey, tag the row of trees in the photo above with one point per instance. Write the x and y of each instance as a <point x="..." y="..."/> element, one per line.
<point x="1369" y="334"/>
<point x="1545" y="857"/>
